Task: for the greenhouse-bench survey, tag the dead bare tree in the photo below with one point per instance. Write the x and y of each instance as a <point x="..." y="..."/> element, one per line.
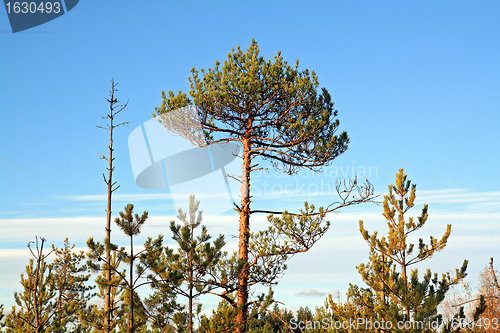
<point x="114" y="109"/>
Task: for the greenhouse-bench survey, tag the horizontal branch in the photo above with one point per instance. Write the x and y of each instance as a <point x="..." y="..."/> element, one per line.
<point x="475" y="299"/>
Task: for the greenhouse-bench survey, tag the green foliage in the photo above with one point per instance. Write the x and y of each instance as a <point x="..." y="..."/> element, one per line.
<point x="223" y="318"/>
<point x="140" y="314"/>
<point x="196" y="255"/>
<point x="271" y="102"/>
<point x="130" y="224"/>
<point x="34" y="302"/>
<point x="2" y="324"/>
<point x="161" y="308"/>
<point x="71" y="279"/>
<point x="270" y="249"/>
<point x="290" y="234"/>
<point x="286" y="236"/>
<point x="261" y="319"/>
<point x="479" y="309"/>
<point x="54" y="294"/>
<point x="193" y="261"/>
<point x="95" y="316"/>
<point x="462" y="323"/>
<point x="345" y="313"/>
<point x="395" y="294"/>
<point x="275" y="112"/>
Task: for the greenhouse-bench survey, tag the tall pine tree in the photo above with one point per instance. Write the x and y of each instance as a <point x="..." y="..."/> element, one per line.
<point x="195" y="257"/>
<point x="275" y="112"/>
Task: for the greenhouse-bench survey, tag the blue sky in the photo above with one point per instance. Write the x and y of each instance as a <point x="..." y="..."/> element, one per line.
<point x="416" y="84"/>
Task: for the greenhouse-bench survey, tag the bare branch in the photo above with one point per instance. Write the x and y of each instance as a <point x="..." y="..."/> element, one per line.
<point x="364" y="194"/>
<point x="474" y="300"/>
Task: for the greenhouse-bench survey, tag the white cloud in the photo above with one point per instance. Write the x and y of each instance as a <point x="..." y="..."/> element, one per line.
<point x="459" y="196"/>
<point x="311" y="293"/>
<point x="135" y="197"/>
<point x="330" y="264"/>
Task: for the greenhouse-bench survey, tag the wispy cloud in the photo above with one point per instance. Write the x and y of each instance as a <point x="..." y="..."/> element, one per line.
<point x="459" y="196"/>
<point x="474" y="216"/>
<point x="300" y="189"/>
<point x="311" y="293"/>
<point x="134" y="197"/>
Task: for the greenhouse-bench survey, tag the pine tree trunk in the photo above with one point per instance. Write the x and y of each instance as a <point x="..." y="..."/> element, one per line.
<point x="405" y="291"/>
<point x="35" y="297"/>
<point x="190" y="300"/>
<point x="382" y="286"/>
<point x="404" y="268"/>
<point x="242" y="298"/>
<point x="190" y="327"/>
<point x="131" y="289"/>
<point x="107" y="298"/>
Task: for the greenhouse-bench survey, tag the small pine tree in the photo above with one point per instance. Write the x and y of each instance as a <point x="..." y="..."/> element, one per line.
<point x="140" y="314"/>
<point x="223" y="318"/>
<point x="130" y="224"/>
<point x="96" y="317"/>
<point x="34" y="301"/>
<point x="196" y="256"/>
<point x="396" y="293"/>
<point x="340" y="315"/>
<point x="54" y="294"/>
<point x="161" y="306"/>
<point x="70" y="284"/>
